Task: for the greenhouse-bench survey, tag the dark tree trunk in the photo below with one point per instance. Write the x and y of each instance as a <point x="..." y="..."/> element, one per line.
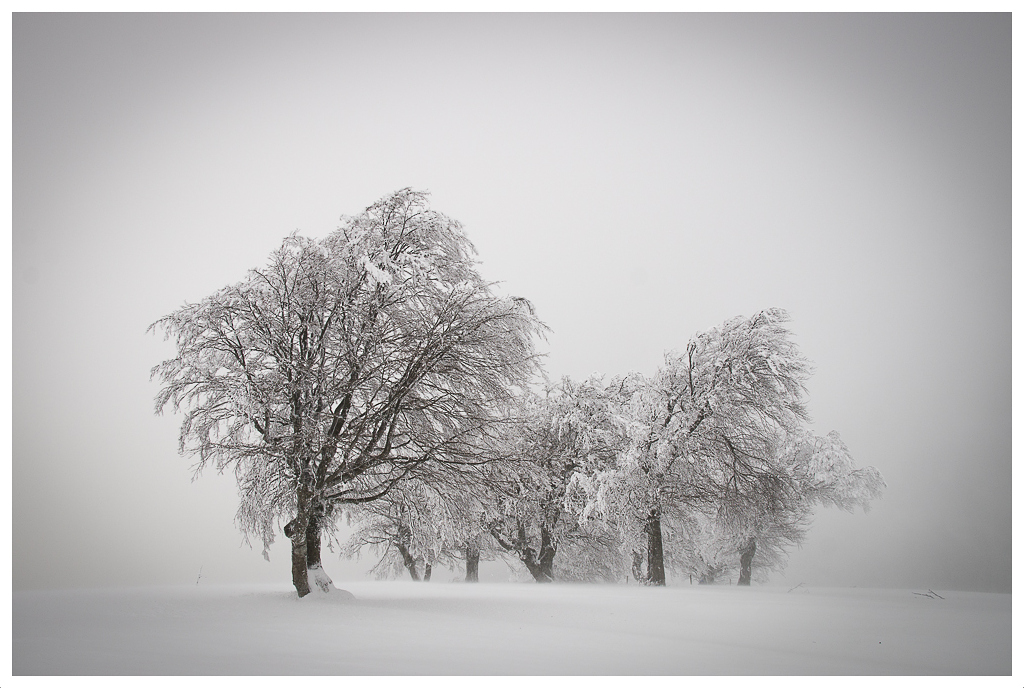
<point x="535" y="566"/>
<point x="408" y="560"/>
<point x="546" y="564"/>
<point x="402" y="545"/>
<point x="314" y="567"/>
<point x="540" y="568"/>
<point x="296" y="531"/>
<point x="300" y="579"/>
<point x="655" y="553"/>
<point x="746" y="558"/>
<point x="538" y="573"/>
<point x="638" y="567"/>
<point x="308" y="552"/>
<point x="529" y="559"/>
<point x="472" y="564"/>
<point x="528" y="555"/>
<point x="426" y="572"/>
<point x="313" y="543"/>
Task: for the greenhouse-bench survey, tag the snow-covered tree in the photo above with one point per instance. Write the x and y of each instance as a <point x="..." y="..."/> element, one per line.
<point x="410" y="529"/>
<point x="825" y="474"/>
<point x="757" y="531"/>
<point x="435" y="516"/>
<point x="570" y="429"/>
<point x="330" y="376"/>
<point x="820" y="471"/>
<point x="710" y="545"/>
<point x="715" y="429"/>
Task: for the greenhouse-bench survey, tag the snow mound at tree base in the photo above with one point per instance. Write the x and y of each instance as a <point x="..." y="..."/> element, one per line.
<point x="332" y="595"/>
<point x="321" y="585"/>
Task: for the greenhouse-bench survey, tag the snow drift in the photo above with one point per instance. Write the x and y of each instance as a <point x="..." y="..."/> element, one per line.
<point x="417" y="628"/>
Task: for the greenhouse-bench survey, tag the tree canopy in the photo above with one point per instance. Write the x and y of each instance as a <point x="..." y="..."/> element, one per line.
<point x="346" y="364"/>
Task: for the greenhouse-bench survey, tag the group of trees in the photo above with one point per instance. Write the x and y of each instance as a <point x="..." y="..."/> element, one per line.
<point x="374" y="375"/>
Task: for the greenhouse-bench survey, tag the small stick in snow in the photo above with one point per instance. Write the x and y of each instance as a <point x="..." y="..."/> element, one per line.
<point x="200" y="574"/>
<point x="795" y="587"/>
<point x="936" y="594"/>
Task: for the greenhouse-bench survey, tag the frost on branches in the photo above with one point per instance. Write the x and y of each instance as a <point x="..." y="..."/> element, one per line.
<point x="738" y="536"/>
<point x="410" y="529"/>
<point x="374" y="374"/>
<point x="717" y="458"/>
<point x="343" y="367"/>
<point x="432" y="518"/>
<point x="570" y="431"/>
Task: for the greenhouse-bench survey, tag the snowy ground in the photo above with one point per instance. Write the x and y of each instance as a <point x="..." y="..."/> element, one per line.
<point x="438" y="628"/>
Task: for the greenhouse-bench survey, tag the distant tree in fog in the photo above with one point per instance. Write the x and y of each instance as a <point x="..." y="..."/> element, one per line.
<point x="721" y="430"/>
<point x="411" y="529"/>
<point x="569" y="429"/>
<point x="819" y="472"/>
<point x="431" y="519"/>
<point x="721" y="543"/>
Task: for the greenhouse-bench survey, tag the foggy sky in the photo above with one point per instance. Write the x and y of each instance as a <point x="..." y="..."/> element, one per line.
<point x="639" y="178"/>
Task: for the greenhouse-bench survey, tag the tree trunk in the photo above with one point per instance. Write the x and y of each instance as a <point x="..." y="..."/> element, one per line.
<point x="308" y="553"/>
<point x="409" y="561"/>
<point x="638" y="567"/>
<point x="746" y="558"/>
<point x="540" y="569"/>
<point x="655" y="553"/>
<point x="546" y="563"/>
<point x="313" y="543"/>
<point x="402" y="546"/>
<point x="472" y="564"/>
<point x="314" y="567"/>
<point x="528" y="558"/>
<point x="296" y="532"/>
<point x="535" y="567"/>
<point x="426" y="573"/>
<point x="528" y="555"/>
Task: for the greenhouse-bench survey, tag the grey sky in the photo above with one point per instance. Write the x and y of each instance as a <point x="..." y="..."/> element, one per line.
<point x="638" y="177"/>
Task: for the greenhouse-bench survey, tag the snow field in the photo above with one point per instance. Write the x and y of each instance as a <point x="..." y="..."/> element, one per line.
<point x="394" y="628"/>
